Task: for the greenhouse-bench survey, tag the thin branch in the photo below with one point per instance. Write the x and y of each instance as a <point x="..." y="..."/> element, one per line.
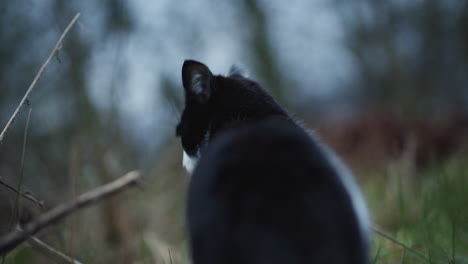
<point x="15" y="214"/>
<point x="170" y="255"/>
<point x="25" y="195"/>
<point x="39" y="244"/>
<point x="58" y="45"/>
<point x="23" y="155"/>
<point x="403" y="258"/>
<point x="49" y="250"/>
<point x="13" y="239"/>
<point x="407" y="248"/>
<point x="377" y="255"/>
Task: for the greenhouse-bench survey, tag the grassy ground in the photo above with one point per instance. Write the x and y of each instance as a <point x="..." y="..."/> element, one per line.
<point x="418" y="218"/>
<point x="426" y="212"/>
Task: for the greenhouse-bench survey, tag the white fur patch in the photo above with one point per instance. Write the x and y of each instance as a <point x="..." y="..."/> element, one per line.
<point x="351" y="186"/>
<point x="188" y="162"/>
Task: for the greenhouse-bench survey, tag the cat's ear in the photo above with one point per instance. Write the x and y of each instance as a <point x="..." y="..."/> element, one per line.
<point x="197" y="80"/>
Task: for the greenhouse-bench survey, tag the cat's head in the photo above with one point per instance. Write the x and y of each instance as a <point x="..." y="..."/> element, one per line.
<point x="215" y="103"/>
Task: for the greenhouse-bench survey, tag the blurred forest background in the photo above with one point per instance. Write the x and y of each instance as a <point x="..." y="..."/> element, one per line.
<point x="385" y="83"/>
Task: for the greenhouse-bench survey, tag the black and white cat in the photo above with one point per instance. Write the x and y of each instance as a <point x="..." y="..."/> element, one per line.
<point x="264" y="190"/>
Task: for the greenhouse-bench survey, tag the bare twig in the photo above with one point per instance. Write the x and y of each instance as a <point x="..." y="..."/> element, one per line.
<point x="407" y="248"/>
<point x="170" y="255"/>
<point x="15" y="214"/>
<point x="73" y="169"/>
<point x="47" y="249"/>
<point x="25" y="195"/>
<point x="13" y="239"/>
<point x="58" y="45"/>
<point x="377" y="254"/>
<point x="39" y="244"/>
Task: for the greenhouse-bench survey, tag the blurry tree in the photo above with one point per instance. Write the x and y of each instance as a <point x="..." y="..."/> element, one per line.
<point x="411" y="56"/>
<point x="262" y="50"/>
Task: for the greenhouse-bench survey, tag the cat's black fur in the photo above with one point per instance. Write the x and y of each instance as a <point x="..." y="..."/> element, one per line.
<point x="264" y="191"/>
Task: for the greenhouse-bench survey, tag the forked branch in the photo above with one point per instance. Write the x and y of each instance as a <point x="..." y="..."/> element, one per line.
<point x="15" y="238"/>
<point x="25" y="195"/>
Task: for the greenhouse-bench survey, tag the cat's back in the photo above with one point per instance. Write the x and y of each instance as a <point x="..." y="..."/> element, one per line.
<point x="269" y="193"/>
